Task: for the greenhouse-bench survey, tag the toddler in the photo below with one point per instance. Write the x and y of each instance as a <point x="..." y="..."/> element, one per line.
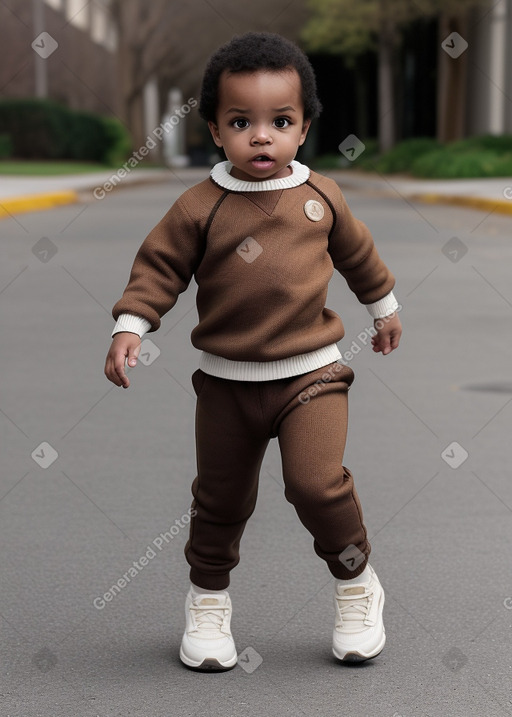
<point x="262" y="237"/>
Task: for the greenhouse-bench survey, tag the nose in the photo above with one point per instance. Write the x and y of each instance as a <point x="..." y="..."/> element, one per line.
<point x="261" y="135"/>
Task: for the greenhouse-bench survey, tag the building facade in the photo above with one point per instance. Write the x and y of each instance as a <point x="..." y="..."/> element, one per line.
<point x="489" y="72"/>
<point x="80" y="72"/>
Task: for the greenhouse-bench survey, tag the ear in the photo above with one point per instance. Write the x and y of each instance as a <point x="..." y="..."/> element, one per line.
<point x="305" y="127"/>
<point x="215" y="133"/>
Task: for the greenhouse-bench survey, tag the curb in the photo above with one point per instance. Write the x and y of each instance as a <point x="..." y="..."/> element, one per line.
<point x="49" y="200"/>
<point x="35" y="202"/>
<point x="502" y="206"/>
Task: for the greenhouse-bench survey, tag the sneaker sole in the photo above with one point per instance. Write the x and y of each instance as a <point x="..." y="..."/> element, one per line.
<point x="209" y="664"/>
<point x="358" y="656"/>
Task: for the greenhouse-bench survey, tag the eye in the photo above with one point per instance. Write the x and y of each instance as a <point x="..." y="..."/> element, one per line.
<point x="240" y="123"/>
<point x="282" y="122"/>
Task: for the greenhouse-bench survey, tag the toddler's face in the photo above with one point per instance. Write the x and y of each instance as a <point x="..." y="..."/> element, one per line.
<point x="260" y="122"/>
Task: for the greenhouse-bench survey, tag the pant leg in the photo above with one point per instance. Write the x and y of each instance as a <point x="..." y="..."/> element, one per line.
<point x="312" y="431"/>
<point x="230" y="446"/>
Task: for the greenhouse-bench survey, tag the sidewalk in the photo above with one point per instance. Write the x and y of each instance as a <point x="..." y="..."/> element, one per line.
<point x="27" y="194"/>
<point x="492" y="194"/>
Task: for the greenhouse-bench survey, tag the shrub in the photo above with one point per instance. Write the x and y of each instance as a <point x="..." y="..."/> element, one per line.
<point x="339" y="161"/>
<point x="500" y="144"/>
<point x="44" y="129"/>
<point x="401" y="157"/>
<point x="327" y="161"/>
<point x="119" y="143"/>
<point x="5" y="146"/>
<point x="37" y="127"/>
<point x="452" y="164"/>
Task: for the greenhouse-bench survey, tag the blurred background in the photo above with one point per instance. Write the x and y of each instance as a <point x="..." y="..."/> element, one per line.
<point x="425" y="85"/>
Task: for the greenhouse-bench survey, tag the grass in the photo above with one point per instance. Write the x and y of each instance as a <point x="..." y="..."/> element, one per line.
<point x="42" y="168"/>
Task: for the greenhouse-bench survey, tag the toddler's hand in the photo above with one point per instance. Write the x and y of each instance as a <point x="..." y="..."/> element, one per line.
<point x="388" y="334"/>
<point x="124" y="344"/>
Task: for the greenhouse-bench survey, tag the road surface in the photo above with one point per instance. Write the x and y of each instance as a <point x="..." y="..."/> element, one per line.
<point x="92" y="475"/>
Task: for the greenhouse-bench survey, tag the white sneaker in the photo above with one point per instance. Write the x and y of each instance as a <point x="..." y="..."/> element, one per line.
<point x="207" y="641"/>
<point x="359" y="630"/>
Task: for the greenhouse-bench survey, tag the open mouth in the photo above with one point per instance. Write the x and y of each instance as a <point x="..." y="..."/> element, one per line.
<point x="262" y="160"/>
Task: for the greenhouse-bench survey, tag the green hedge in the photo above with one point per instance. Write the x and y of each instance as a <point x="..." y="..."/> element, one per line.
<point x="44" y="129"/>
<point x="484" y="156"/>
<point x="338" y="161"/>
<point x="498" y="143"/>
<point x="444" y="164"/>
<point x="473" y="157"/>
<point x="5" y="146"/>
<point x="401" y="157"/>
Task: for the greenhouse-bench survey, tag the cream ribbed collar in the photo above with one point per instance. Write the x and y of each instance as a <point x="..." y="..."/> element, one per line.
<point x="221" y="176"/>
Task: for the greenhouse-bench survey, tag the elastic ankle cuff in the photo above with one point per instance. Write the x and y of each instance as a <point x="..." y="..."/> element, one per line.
<point x="341" y="572"/>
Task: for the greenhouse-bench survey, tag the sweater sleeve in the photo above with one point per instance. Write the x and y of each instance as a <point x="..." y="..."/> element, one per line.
<point x="355" y="256"/>
<point x="163" y="267"/>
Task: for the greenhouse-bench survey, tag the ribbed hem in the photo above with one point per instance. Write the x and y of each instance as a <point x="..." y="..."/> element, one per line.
<point x="220" y="174"/>
<point x="384" y="307"/>
<point x="130" y="322"/>
<point x="268" y="370"/>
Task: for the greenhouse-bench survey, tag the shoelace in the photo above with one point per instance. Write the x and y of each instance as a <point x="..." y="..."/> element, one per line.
<point x="357" y="606"/>
<point x="209" y="616"/>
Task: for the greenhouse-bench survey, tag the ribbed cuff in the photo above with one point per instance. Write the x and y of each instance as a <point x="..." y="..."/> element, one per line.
<point x="383" y="307"/>
<point x="134" y="324"/>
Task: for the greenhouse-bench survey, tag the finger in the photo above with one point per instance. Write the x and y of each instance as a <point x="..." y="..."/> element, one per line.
<point x="110" y="373"/>
<point x="395" y="340"/>
<point x="120" y="372"/>
<point x="133" y="353"/>
<point x="385" y="345"/>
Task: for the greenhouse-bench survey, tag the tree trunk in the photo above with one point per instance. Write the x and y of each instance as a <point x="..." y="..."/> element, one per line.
<point x="452" y="78"/>
<point x="136" y="121"/>
<point x="130" y="61"/>
<point x="385" y="73"/>
<point x="361" y="100"/>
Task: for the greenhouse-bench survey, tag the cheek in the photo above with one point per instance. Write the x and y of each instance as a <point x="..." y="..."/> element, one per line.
<point x="233" y="142"/>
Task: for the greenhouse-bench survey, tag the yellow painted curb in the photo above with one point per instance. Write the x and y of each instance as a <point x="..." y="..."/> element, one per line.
<point x="36" y="202"/>
<point x="502" y="206"/>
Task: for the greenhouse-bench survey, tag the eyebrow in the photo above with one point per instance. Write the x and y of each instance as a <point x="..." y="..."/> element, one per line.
<point x="245" y="112"/>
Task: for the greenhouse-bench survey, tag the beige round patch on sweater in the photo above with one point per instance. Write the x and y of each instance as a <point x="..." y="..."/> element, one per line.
<point x="314" y="210"/>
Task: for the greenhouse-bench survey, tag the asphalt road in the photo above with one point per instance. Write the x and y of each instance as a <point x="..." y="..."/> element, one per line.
<point x="93" y="474"/>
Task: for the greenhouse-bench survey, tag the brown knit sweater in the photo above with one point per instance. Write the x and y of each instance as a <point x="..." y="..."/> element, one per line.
<point x="262" y="261"/>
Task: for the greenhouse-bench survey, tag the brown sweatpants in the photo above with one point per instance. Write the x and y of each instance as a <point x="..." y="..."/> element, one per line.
<point x="235" y="421"/>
